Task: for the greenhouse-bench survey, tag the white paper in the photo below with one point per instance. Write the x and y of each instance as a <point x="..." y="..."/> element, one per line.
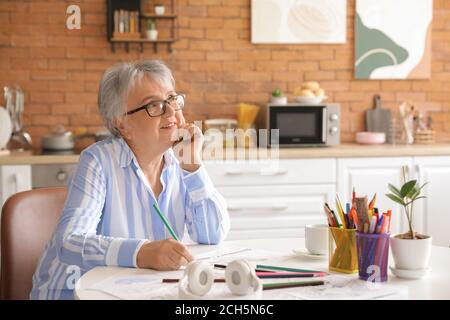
<point x="346" y="288"/>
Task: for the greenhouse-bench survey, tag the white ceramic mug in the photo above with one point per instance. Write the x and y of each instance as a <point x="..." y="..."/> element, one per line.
<point x="316" y="238"/>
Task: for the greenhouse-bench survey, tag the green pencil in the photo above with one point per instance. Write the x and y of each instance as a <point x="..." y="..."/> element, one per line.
<point x="166" y="222"/>
<point x="281" y="285"/>
<point x="260" y="266"/>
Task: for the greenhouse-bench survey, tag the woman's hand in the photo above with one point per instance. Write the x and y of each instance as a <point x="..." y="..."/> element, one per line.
<point x="163" y="255"/>
<point x="188" y="146"/>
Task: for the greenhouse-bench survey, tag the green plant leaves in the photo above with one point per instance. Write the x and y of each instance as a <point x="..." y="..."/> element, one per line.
<point x="277" y="93"/>
<point x="395" y="198"/>
<point x="394" y="190"/>
<point x="407" y="188"/>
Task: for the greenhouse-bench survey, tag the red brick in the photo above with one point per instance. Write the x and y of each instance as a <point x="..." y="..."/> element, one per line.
<point x="37" y="108"/>
<point x="29" y="64"/>
<point x="48" y="75"/>
<point x="82" y="120"/>
<point x="47" y="97"/>
<point x="224" y="11"/>
<point x="64" y="41"/>
<point x="81" y="97"/>
<point x="222" y="34"/>
<point x="271" y="66"/>
<point x="198" y="23"/>
<point x="221" y="56"/>
<point x="206" y="66"/>
<point x="66" y="86"/>
<point x="49" y="120"/>
<point x="47" y="52"/>
<point x="205" y="45"/>
<point x="28" y="41"/>
<point x="66" y="64"/>
<point x="220" y="98"/>
<point x="68" y="108"/>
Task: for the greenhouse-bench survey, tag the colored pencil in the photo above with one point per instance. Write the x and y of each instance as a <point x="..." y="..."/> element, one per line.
<point x="166" y="222"/>
<point x="270" y="286"/>
<point x="260" y="266"/>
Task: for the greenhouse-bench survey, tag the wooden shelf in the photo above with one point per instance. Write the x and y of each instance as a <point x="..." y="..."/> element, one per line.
<point x="156" y="16"/>
<point x="143" y="40"/>
<point x="141" y="43"/>
<point x="135" y="6"/>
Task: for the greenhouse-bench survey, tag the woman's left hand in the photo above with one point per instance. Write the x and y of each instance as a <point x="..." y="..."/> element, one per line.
<point x="188" y="146"/>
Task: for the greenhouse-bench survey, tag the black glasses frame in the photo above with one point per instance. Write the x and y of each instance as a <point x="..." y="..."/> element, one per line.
<point x="164" y="102"/>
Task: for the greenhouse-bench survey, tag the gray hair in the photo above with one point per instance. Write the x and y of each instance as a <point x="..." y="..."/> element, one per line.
<point x="117" y="82"/>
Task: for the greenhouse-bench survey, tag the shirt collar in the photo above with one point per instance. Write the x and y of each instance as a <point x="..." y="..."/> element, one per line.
<point x="126" y="155"/>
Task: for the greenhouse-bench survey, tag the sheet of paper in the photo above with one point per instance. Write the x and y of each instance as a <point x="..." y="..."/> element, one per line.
<point x="343" y="288"/>
<point x="143" y="286"/>
<point x="124" y="285"/>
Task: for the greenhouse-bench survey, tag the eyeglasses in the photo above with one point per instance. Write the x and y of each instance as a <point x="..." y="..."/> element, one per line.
<point x="158" y="108"/>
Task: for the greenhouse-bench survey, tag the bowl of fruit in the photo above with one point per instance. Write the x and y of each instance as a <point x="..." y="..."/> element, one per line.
<point x="309" y="93"/>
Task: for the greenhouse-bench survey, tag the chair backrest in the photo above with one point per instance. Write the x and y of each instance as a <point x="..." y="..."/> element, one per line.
<point x="27" y="224"/>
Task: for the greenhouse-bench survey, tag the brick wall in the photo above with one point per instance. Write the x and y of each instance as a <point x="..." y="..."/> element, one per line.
<point x="213" y="62"/>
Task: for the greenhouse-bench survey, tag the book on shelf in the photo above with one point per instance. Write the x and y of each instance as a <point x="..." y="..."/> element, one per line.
<point x="126" y="24"/>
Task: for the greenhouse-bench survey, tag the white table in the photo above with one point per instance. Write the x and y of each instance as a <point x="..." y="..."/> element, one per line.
<point x="435" y="285"/>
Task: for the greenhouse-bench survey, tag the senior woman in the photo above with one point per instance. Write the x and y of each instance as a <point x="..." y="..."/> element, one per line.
<point x="108" y="217"/>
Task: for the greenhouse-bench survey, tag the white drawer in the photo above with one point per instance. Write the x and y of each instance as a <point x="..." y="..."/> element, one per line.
<point x="257" y="209"/>
<point x="286" y="171"/>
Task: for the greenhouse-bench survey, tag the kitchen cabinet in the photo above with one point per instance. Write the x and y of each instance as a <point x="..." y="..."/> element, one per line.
<point x="13" y="179"/>
<point x="432" y="215"/>
<point x="272" y="199"/>
<point x="275" y="212"/>
<point x="369" y="175"/>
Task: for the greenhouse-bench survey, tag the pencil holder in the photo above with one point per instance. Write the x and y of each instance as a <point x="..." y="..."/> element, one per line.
<point x="373" y="254"/>
<point x="342" y="250"/>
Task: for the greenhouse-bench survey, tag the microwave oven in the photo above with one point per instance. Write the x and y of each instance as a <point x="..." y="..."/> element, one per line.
<point x="299" y="125"/>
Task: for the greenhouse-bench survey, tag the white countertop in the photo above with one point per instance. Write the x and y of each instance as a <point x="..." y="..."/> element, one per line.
<point x="340" y="151"/>
<point x="436" y="285"/>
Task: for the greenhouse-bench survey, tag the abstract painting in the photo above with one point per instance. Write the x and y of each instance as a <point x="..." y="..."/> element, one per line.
<point x="393" y="39"/>
<point x="299" y="21"/>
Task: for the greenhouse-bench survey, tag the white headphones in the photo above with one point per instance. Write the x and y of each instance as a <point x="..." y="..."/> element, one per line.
<point x="240" y="278"/>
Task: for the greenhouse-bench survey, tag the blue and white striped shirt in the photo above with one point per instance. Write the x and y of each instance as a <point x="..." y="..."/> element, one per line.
<point x="108" y="215"/>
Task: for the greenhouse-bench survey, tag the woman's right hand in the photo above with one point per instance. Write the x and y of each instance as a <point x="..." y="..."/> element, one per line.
<point x="163" y="255"/>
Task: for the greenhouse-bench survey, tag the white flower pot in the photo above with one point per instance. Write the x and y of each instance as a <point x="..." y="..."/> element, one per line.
<point x="278" y="100"/>
<point x="411" y="254"/>
<point x="152" y="34"/>
<point x="159" y="10"/>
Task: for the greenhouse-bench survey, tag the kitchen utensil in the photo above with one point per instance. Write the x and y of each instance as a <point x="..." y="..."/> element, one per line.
<point x="61" y="140"/>
<point x="20" y="139"/>
<point x="5" y="127"/>
<point x="378" y="119"/>
<point x="58" y="139"/>
<point x="406" y="109"/>
<point x="370" y="137"/>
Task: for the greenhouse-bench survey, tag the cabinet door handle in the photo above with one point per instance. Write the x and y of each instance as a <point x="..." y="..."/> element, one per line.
<point x="273" y="173"/>
<point x="231" y="172"/>
<point x="275" y="207"/>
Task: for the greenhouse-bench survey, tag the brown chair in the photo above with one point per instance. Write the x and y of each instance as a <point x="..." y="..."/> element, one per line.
<point x="27" y="224"/>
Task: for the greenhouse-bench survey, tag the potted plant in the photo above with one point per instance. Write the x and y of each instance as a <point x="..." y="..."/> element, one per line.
<point x="159" y="9"/>
<point x="411" y="250"/>
<point x="278" y="97"/>
<point x="152" y="33"/>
